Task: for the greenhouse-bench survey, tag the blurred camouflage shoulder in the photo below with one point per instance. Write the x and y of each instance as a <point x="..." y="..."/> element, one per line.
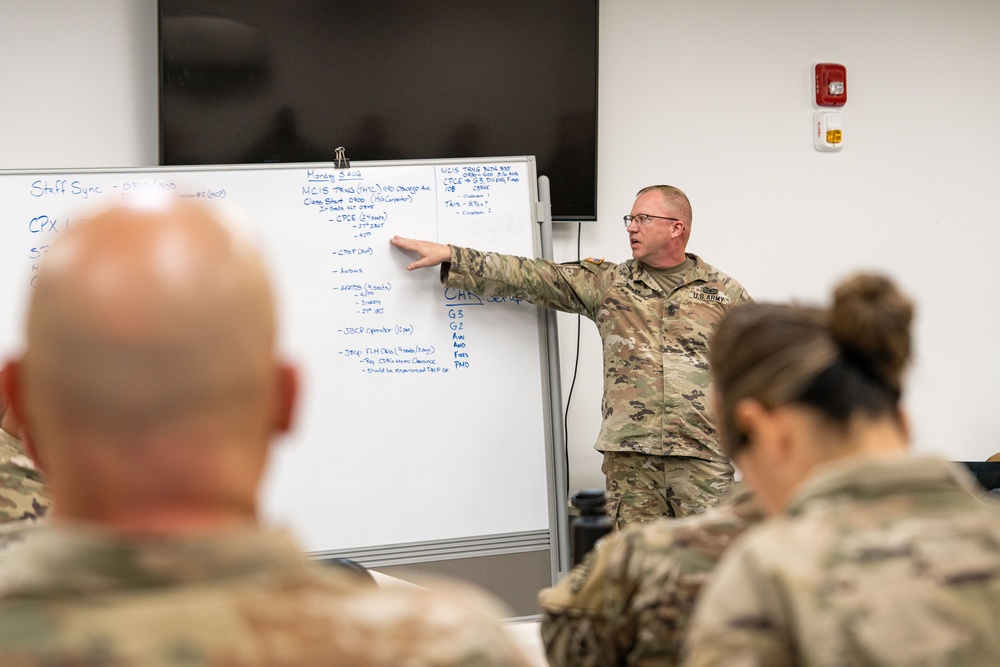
<point x="892" y="561"/>
<point x="244" y="599"/>
<point x="631" y="599"/>
<point x="24" y="499"/>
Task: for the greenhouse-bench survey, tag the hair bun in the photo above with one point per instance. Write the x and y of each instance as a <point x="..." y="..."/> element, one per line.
<point x="870" y="321"/>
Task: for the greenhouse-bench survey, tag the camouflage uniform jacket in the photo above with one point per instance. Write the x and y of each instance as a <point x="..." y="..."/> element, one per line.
<point x="655" y="345"/>
<point x="877" y="562"/>
<point x="76" y="596"/>
<point x="630" y="601"/>
<point x="23" y="497"/>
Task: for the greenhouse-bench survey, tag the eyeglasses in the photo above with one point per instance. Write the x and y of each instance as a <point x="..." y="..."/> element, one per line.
<point x="643" y="219"/>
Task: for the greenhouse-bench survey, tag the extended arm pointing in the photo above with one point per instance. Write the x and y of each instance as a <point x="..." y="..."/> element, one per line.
<point x="431" y="253"/>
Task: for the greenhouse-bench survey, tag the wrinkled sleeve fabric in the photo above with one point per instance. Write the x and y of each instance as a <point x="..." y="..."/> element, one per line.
<point x="586" y="619"/>
<point x="740" y="619"/>
<point x="573" y="288"/>
<point x="628" y="603"/>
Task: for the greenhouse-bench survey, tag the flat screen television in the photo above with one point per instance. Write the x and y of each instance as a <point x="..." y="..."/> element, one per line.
<point x="247" y="81"/>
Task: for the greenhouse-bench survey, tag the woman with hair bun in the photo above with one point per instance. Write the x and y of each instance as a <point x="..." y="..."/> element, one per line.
<point x="873" y="557"/>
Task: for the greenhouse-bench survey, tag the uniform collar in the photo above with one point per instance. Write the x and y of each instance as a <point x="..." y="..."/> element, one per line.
<point x="869" y="477"/>
<point x="643" y="283"/>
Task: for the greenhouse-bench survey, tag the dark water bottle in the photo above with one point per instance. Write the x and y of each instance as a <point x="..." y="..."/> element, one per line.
<point x="590" y="525"/>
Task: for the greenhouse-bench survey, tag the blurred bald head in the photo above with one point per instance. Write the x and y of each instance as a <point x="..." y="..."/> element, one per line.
<point x="142" y="314"/>
<point x="151" y="327"/>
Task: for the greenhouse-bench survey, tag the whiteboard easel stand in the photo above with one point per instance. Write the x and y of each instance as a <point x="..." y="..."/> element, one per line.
<point x="558" y="511"/>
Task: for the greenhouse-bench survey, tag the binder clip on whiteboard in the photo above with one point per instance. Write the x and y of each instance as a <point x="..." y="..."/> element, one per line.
<point x="340" y="160"/>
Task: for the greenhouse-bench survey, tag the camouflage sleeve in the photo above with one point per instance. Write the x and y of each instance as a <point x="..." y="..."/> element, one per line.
<point x="581" y="625"/>
<point x="450" y="625"/>
<point x="24" y="500"/>
<point x="627" y="603"/>
<point x="632" y="599"/>
<point x="739" y="619"/>
<point x="574" y="288"/>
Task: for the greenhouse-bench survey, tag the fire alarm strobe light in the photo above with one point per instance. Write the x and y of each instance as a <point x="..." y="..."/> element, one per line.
<point x="831" y="85"/>
<point x="828" y="131"/>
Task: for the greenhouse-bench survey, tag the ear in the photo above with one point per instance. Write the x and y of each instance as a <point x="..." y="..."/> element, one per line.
<point x="762" y="426"/>
<point x="13" y="396"/>
<point x="287" y="390"/>
<point x="904" y="423"/>
<point x="747" y="415"/>
<point x="8" y="386"/>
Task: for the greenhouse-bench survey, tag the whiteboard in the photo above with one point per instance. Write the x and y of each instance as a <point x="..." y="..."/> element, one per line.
<point x="423" y="413"/>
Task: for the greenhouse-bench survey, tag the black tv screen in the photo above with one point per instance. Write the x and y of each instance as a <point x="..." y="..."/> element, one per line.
<point x="247" y="81"/>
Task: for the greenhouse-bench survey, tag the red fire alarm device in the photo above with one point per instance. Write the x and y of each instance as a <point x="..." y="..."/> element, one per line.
<point x="831" y="85"/>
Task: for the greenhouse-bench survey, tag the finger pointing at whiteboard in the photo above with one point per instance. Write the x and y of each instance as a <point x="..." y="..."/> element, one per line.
<point x="431" y="253"/>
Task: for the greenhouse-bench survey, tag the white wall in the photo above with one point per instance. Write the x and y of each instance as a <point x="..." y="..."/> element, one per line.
<point x="713" y="96"/>
<point x="78" y="82"/>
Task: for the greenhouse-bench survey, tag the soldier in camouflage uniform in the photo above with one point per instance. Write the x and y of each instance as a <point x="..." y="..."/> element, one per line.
<point x="151" y="390"/>
<point x="630" y="600"/>
<point x="876" y="558"/>
<point x="875" y="563"/>
<point x="655" y="314"/>
<point x="24" y="501"/>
